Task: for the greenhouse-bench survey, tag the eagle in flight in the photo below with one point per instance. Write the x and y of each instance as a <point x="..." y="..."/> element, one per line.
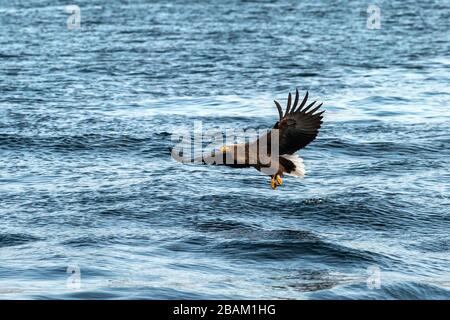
<point x="274" y="152"/>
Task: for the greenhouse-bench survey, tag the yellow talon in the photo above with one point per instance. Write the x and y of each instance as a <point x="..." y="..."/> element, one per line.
<point x="279" y="180"/>
<point x="273" y="184"/>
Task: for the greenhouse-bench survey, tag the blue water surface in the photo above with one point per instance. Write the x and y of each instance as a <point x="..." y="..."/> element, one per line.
<point x="93" y="206"/>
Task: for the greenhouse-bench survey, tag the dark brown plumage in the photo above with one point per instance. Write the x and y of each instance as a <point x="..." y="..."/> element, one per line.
<point x="298" y="126"/>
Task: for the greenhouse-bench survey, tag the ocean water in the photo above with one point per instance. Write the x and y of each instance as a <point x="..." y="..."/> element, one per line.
<point x="93" y="206"/>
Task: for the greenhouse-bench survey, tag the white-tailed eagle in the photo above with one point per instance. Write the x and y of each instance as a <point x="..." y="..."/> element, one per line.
<point x="274" y="152"/>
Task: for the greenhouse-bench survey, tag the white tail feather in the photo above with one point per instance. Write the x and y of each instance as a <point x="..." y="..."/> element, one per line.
<point x="299" y="166"/>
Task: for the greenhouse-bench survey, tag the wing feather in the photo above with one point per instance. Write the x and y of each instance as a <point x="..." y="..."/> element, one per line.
<point x="298" y="127"/>
<point x="303" y="102"/>
<point x="288" y="107"/>
<point x="314" y="110"/>
<point x="280" y="110"/>
<point x="296" y="100"/>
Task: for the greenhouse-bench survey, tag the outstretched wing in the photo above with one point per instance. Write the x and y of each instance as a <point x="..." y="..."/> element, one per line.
<point x="298" y="126"/>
